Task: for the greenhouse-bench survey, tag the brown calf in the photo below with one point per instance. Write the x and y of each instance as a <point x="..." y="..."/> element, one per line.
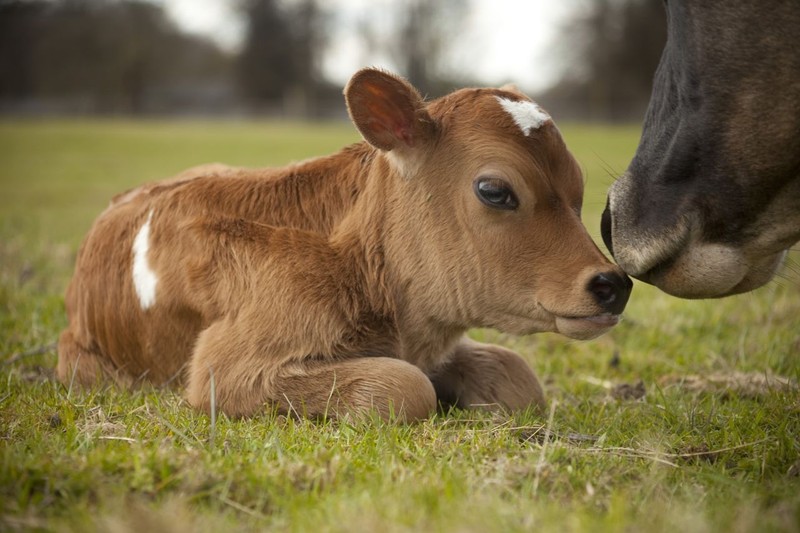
<point x="345" y="283"/>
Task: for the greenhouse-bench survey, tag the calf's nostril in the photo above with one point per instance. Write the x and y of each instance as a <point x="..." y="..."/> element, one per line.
<point x="610" y="291"/>
<point x="603" y="289"/>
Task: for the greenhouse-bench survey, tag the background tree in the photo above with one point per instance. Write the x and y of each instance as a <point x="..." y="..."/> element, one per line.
<point x="19" y="25"/>
<point x="279" y="66"/>
<point x="416" y="35"/>
<point x="611" y="49"/>
<point x="422" y="41"/>
<point x="265" y="64"/>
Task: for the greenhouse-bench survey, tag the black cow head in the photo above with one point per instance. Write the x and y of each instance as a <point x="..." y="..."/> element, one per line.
<point x="711" y="201"/>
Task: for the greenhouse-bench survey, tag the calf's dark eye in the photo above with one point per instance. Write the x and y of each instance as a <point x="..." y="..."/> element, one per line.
<point x="495" y="193"/>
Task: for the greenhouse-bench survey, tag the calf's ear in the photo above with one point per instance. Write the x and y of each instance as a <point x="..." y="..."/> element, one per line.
<point x="387" y="110"/>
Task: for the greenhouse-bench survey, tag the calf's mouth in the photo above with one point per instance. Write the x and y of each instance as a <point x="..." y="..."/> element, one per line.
<point x="585" y="327"/>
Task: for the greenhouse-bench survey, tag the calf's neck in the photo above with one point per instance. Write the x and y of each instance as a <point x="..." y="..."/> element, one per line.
<point x="345" y="284"/>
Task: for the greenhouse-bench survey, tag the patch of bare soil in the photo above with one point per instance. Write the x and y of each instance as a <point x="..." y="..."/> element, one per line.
<point x="37" y="374"/>
<point x="621" y="391"/>
<point x="628" y="391"/>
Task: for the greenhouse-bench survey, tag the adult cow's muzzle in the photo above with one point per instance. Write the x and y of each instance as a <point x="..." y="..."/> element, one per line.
<point x="675" y="257"/>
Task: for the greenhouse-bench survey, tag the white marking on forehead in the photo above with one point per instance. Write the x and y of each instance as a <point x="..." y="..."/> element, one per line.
<point x="527" y="115"/>
<point x="144" y="279"/>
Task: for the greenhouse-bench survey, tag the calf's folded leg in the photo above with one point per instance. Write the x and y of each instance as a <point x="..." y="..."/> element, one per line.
<point x="249" y="375"/>
<point x="394" y="389"/>
<point x="80" y="365"/>
<point x="487" y="376"/>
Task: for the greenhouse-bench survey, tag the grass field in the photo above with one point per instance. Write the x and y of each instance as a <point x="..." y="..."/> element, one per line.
<point x="685" y="418"/>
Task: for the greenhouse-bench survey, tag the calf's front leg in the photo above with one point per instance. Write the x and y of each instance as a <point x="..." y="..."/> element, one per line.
<point x="487" y="376"/>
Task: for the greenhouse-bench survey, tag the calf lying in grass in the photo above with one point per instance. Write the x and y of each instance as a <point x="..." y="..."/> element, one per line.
<point x="346" y="283"/>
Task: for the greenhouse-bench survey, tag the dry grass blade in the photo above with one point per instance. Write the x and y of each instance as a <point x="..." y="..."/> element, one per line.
<point x="213" y="434"/>
<point x="239" y="507"/>
<point x="39" y="350"/>
<point x="743" y="384"/>
<point x="541" y="463"/>
<point x="111" y="437"/>
<point x="662" y="457"/>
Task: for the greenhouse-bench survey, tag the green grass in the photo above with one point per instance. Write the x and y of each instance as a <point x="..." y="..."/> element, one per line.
<point x="701" y="458"/>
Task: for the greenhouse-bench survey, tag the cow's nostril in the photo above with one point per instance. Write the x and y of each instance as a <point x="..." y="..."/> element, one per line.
<point x="605" y="228"/>
<point x="610" y="291"/>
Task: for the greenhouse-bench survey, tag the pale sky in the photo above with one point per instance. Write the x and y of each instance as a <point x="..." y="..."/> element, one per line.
<point x="502" y="41"/>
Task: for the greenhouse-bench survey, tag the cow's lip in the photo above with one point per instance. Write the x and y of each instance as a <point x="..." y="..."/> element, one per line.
<point x="730" y="271"/>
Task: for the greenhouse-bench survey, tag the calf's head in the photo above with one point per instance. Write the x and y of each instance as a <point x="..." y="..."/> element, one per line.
<point x="483" y="204"/>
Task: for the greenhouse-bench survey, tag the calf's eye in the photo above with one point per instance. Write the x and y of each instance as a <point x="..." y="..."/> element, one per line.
<point x="495" y="193"/>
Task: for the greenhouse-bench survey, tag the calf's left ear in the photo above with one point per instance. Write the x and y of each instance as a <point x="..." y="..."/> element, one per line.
<point x="387" y="110"/>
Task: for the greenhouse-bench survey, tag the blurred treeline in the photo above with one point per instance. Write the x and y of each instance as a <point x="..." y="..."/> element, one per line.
<point x="129" y="57"/>
<point x="610" y="50"/>
<point x="94" y="56"/>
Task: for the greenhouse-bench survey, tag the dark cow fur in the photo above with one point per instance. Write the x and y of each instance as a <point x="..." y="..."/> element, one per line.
<point x="711" y="201"/>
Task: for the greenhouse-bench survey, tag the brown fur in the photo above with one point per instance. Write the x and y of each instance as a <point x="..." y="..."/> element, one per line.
<point x="345" y="283"/>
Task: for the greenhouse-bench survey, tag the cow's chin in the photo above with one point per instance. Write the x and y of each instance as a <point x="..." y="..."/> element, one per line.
<point x="714" y="271"/>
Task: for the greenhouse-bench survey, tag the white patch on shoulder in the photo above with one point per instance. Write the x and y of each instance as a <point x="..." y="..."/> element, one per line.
<point x="144" y="279"/>
<point x="527" y="115"/>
